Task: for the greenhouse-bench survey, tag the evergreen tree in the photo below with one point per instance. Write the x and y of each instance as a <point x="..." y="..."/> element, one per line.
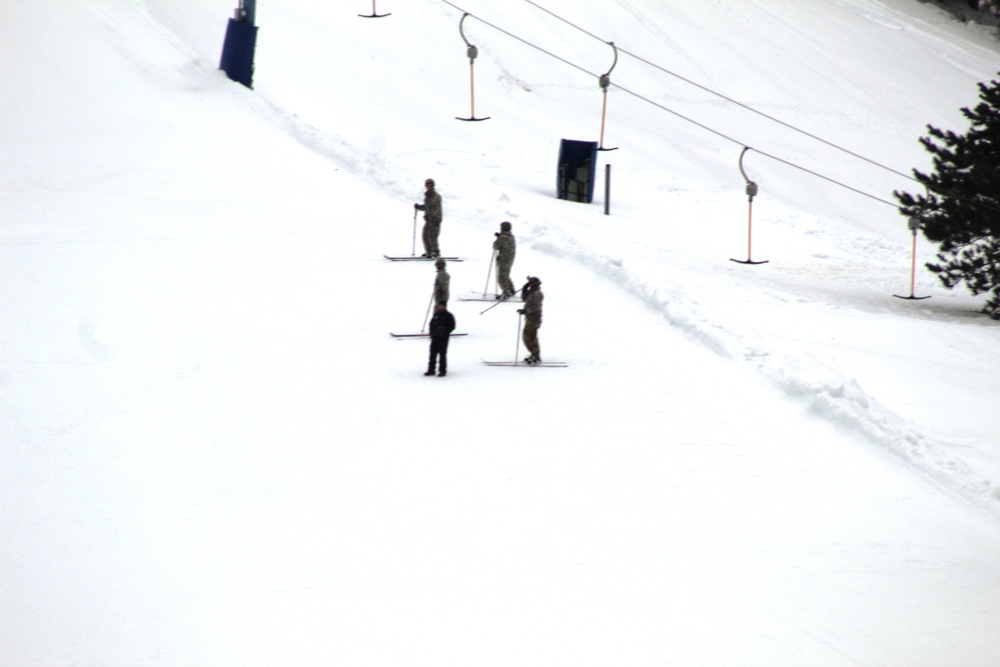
<point x="961" y="210"/>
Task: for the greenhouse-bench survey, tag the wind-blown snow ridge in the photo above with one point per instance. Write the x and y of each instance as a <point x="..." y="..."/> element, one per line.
<point x="838" y="400"/>
<point x="844" y="403"/>
<point x="358" y="161"/>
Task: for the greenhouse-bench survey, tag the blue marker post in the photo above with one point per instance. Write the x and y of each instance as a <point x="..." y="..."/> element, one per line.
<point x="241" y="40"/>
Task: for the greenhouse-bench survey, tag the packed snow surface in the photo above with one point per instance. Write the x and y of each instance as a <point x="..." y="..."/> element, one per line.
<point x="213" y="453"/>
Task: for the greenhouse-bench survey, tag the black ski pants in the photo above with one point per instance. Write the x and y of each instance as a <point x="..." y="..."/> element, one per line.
<point x="439" y="354"/>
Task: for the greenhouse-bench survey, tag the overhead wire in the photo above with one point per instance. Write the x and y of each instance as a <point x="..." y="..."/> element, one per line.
<point x="520" y="39"/>
<point x="774" y="119"/>
<point x="706" y="127"/>
<point x="688" y="119"/>
<point x="731" y="100"/>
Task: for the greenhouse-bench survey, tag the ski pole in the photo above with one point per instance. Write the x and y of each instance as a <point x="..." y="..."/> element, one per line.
<point x="517" y="348"/>
<point x="501" y="301"/>
<point x="413" y="248"/>
<point x="429" y="304"/>
<point x="492" y="255"/>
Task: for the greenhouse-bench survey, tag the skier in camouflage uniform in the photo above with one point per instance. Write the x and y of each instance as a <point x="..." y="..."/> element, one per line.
<point x="505" y="247"/>
<point x="442" y="282"/>
<point x="532" y="311"/>
<point x="432" y="219"/>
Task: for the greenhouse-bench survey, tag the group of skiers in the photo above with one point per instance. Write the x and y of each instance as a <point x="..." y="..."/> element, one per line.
<point x="442" y="323"/>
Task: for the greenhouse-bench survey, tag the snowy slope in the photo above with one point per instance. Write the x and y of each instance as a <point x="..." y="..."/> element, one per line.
<point x="213" y="453"/>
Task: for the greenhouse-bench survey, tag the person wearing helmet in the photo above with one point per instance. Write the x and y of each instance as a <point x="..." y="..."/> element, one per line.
<point x="432" y="219"/>
<point x="532" y="311"/>
<point x="442" y="282"/>
<point x="505" y="247"/>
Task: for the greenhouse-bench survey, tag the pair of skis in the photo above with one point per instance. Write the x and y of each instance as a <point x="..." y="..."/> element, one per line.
<point x="419" y="258"/>
<point x="414" y="257"/>
<point x="430" y="304"/>
<point x="485" y="296"/>
<point x="476" y="297"/>
<point x="517" y="352"/>
<point x="519" y="364"/>
<point x="422" y="334"/>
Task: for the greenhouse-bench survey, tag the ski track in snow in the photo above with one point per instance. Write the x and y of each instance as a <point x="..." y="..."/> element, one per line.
<point x="839" y="400"/>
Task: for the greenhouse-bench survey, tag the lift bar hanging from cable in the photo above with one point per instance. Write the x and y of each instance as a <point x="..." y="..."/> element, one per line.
<point x="604" y="81"/>
<point x="751" y="191"/>
<point x="914" y="223"/>
<point x="472" y="52"/>
<point x="374" y="14"/>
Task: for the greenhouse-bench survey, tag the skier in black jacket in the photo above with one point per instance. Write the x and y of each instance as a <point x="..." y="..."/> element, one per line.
<point x="442" y="324"/>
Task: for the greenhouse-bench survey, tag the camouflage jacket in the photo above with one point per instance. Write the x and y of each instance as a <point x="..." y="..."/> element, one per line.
<point x="431" y="207"/>
<point x="533" y="303"/>
<point x="506" y="247"/>
<point x="442" y="286"/>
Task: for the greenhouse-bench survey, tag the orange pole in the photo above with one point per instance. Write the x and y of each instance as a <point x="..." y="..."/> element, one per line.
<point x="472" y="89"/>
<point x="604" y="110"/>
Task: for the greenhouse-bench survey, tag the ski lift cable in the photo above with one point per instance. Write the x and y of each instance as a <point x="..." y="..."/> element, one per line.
<point x="785" y="124"/>
<point x="751" y="186"/>
<point x="520" y="39"/>
<point x="688" y="119"/>
<point x="586" y="71"/>
<point x="730" y="99"/>
<point x="789" y="163"/>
